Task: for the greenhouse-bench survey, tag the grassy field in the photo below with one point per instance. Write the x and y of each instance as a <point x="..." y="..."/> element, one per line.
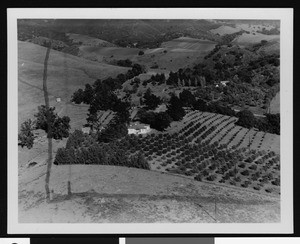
<point x="224" y="30"/>
<point x="66" y="73"/>
<point x="178" y="53"/>
<point x="246" y="39"/>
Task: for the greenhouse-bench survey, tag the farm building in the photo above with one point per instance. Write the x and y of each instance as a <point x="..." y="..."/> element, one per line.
<point x="224" y="82"/>
<point x="138" y="128"/>
<point x="58" y="99"/>
<point x="86" y="130"/>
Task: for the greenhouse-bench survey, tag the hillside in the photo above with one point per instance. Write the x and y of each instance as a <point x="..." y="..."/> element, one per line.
<point x="223" y="30"/>
<point x="88" y="41"/>
<point x="107" y="194"/>
<point x="246" y="39"/>
<point x="177" y="53"/>
<point x="66" y="73"/>
<point x="171" y="121"/>
<point x="107" y="54"/>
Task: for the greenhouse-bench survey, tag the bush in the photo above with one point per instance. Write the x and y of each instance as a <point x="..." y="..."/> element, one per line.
<point x="141" y="52"/>
<point x="211" y="177"/>
<point x="245" y="172"/>
<point x="198" y="177"/>
<point x="276" y="182"/>
<point x="26" y="136"/>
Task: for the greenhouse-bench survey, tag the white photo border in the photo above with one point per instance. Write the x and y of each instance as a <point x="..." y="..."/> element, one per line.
<point x="285" y="15"/>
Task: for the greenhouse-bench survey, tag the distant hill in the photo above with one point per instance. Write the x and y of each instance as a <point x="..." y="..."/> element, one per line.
<point x="125" y="33"/>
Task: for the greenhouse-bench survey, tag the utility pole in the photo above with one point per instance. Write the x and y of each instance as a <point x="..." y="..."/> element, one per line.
<point x="49" y="134"/>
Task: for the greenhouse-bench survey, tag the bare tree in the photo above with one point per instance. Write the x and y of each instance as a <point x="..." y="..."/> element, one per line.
<point x="49" y="133"/>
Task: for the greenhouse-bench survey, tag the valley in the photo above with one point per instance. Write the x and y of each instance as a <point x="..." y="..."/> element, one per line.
<point x="209" y="92"/>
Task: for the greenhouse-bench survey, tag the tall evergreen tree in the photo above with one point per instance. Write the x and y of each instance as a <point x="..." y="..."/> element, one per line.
<point x="175" y="109"/>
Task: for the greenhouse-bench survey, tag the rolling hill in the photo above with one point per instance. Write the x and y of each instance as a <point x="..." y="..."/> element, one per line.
<point x="66" y="73"/>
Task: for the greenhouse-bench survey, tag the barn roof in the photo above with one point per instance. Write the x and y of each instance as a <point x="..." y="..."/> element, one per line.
<point x="137" y="126"/>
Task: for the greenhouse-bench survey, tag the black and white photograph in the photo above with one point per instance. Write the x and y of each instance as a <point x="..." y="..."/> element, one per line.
<point x="182" y="120"/>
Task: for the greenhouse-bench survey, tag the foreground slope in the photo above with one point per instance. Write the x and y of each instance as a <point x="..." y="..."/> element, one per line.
<point x="118" y="194"/>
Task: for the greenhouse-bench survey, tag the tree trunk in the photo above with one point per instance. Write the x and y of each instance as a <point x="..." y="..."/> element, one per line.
<point x="49" y="134"/>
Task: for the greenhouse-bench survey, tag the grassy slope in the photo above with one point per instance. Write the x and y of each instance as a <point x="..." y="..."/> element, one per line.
<point x="119" y="194"/>
<point x="179" y="53"/>
<point x="246" y="39"/>
<point x="66" y="73"/>
<point x="89" y="41"/>
<point x="223" y="30"/>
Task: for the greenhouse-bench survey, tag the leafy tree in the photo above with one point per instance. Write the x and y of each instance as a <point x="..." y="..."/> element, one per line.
<point x="26" y="136"/>
<point x="175" y="108"/>
<point x="246" y="119"/>
<point x="59" y="125"/>
<point x="200" y="105"/>
<point x="173" y="79"/>
<point x="150" y="100"/>
<point x="113" y="131"/>
<point x="78" y="96"/>
<point x="161" y="122"/>
<point x="75" y="139"/>
<point x="88" y="94"/>
<point x="187" y="98"/>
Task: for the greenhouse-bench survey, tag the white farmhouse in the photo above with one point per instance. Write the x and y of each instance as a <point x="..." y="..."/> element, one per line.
<point x="58" y="99"/>
<point x="137" y="128"/>
<point x="86" y="130"/>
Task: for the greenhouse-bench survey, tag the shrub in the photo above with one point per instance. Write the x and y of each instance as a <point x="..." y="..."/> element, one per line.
<point x="141" y="52"/>
<point x="198" y="177"/>
<point x="242" y="165"/>
<point x="276" y="182"/>
<point x="211" y="177"/>
<point x="253" y="167"/>
<point x="245" y="172"/>
<point x="245" y="184"/>
<point x="26" y="136"/>
<point x="269" y="190"/>
<point x="256" y="188"/>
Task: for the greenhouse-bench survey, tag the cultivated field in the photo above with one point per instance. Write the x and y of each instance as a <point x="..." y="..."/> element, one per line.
<point x="210" y="147"/>
<point x="88" y="41"/>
